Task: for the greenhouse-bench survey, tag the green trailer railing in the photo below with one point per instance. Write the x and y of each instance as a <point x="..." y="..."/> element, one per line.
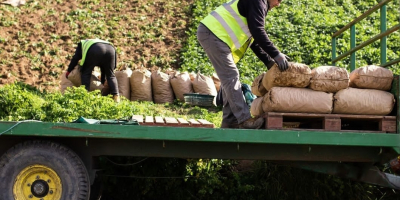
<point x="384" y="32"/>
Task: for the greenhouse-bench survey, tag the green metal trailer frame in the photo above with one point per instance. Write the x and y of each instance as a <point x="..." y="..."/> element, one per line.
<point x="353" y="155"/>
<point x="327" y="152"/>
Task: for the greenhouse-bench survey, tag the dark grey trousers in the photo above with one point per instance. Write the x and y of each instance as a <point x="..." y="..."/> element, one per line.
<point x="103" y="56"/>
<point x="235" y="109"/>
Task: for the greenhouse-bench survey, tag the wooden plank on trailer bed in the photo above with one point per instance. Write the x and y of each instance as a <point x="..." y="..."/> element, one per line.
<point x="171" y="121"/>
<point x="183" y="122"/>
<point x="194" y="123"/>
<point x="159" y="120"/>
<point x="149" y="120"/>
<point x="139" y="118"/>
<point x="206" y="123"/>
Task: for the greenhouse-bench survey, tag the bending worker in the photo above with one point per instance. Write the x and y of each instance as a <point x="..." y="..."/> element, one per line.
<point x="96" y="52"/>
<point x="225" y="34"/>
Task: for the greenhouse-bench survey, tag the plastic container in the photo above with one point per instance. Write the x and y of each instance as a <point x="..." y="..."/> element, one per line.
<point x="197" y="99"/>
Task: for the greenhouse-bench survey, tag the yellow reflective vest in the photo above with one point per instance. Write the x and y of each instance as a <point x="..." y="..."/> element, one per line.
<point x="86" y="45"/>
<point x="231" y="27"/>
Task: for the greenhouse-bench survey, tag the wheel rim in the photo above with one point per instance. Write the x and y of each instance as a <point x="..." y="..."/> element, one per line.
<point x="37" y="182"/>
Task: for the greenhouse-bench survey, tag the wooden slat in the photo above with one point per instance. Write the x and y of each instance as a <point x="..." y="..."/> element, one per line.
<point x="331" y="122"/>
<point x="206" y="123"/>
<point x="159" y="120"/>
<point x="171" y="121"/>
<point x="194" y="123"/>
<point x="149" y="121"/>
<point x="139" y="118"/>
<point x="183" y="122"/>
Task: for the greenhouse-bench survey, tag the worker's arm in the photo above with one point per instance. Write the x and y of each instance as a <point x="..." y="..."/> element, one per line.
<point x="262" y="55"/>
<point x="255" y="12"/>
<point x="77" y="56"/>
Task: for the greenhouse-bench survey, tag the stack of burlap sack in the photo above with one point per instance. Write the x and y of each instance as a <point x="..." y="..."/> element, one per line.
<point x="144" y="85"/>
<point x="325" y="89"/>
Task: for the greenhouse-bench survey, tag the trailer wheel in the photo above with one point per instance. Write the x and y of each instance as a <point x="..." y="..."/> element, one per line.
<point x="43" y="170"/>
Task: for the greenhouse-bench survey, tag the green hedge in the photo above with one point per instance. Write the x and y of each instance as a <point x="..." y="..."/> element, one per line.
<point x="303" y="29"/>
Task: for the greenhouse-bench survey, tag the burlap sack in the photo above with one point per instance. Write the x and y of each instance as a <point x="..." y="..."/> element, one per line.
<point x="371" y="77"/>
<point x="217" y="82"/>
<point x="329" y="79"/>
<point x="363" y="102"/>
<point x="257" y="88"/>
<point x="256" y="108"/>
<point x="297" y="75"/>
<point x="106" y="89"/>
<point x="297" y="100"/>
<point x="141" y="85"/>
<point x="124" y="86"/>
<point x="75" y="76"/>
<point x="181" y="84"/>
<point x="192" y="76"/>
<point x="171" y="72"/>
<point x="162" y="90"/>
<point x="65" y="83"/>
<point x="204" y="85"/>
<point x="95" y="83"/>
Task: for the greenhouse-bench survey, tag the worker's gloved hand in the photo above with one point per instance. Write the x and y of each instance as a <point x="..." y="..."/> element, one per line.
<point x="66" y="74"/>
<point x="282" y="61"/>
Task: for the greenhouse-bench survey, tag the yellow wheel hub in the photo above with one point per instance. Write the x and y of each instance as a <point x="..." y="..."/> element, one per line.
<point x="37" y="182"/>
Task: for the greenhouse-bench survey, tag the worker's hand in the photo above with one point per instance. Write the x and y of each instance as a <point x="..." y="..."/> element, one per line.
<point x="66" y="74"/>
<point x="282" y="61"/>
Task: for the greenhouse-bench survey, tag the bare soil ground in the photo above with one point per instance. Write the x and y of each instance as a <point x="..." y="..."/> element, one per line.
<point x="38" y="39"/>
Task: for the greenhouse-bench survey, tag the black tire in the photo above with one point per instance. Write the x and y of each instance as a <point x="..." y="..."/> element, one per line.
<point x="63" y="161"/>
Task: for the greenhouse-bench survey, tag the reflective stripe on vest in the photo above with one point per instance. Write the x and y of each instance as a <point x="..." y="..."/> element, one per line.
<point x="86" y="44"/>
<point x="229" y="26"/>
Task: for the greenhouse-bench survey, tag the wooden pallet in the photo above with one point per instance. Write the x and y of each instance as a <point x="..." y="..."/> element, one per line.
<point x="172" y="122"/>
<point x="331" y="122"/>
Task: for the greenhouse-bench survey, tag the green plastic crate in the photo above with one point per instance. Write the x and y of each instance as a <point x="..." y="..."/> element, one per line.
<point x="197" y="99"/>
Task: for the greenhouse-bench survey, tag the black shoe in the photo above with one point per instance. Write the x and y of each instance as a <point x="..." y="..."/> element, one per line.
<point x="252" y="123"/>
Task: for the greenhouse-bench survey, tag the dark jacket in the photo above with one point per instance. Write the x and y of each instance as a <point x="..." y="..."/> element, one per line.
<point x="75" y="59"/>
<point x="255" y="11"/>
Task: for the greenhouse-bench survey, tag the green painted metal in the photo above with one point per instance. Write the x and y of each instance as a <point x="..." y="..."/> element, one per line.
<point x="361" y="17"/>
<point x="362" y="45"/>
<point x="391" y="63"/>
<point x="352" y="46"/>
<point x="333" y="51"/>
<point x="395" y="90"/>
<point x="201" y="134"/>
<point x="382" y="36"/>
<point x="384" y="39"/>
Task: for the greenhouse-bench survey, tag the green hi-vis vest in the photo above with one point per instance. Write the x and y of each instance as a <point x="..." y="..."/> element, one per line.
<point x="229" y="26"/>
<point x="86" y="45"/>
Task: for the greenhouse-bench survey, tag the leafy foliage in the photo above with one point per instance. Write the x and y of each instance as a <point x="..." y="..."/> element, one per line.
<point x="23" y="102"/>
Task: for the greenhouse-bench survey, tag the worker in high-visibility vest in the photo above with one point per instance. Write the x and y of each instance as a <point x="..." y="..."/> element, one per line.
<point x="92" y="53"/>
<point x="225" y="34"/>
